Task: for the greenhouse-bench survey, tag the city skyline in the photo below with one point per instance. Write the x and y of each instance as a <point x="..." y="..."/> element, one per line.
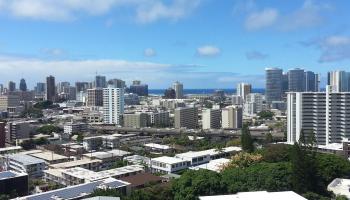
<point x="159" y="42"/>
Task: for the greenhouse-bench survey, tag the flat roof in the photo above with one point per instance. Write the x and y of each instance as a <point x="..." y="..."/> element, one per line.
<point x="157" y="146"/>
<point x="107" y="154"/>
<point x="261" y="195"/>
<point x="10" y="174"/>
<point x="49" y="156"/>
<point x="340" y="186"/>
<point x="74" y="163"/>
<point x="26" y="159"/>
<point x="77" y="191"/>
<point x="213" y="165"/>
<point x="93" y="176"/>
<point x="211" y="152"/>
<point x="168" y="160"/>
<point x="10" y="148"/>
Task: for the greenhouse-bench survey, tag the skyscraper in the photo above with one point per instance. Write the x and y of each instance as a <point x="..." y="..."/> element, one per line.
<point x="311" y="82"/>
<point x="178" y="87"/>
<point x="50" y="88"/>
<point x="273" y="89"/>
<point x="339" y="80"/>
<point x="117" y="83"/>
<point x="113" y="105"/>
<point x="11" y="86"/>
<point x="323" y="114"/>
<point x="23" y="85"/>
<point x="232" y="117"/>
<point x="284" y="83"/>
<point x="186" y="117"/>
<point x="138" y="88"/>
<point x="40" y="88"/>
<point x="100" y="81"/>
<point x="296" y="80"/>
<point x="243" y="89"/>
<point x="81" y="86"/>
<point x="95" y="97"/>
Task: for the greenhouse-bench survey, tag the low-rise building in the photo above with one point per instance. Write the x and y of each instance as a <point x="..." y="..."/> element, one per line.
<point x="340" y="186"/>
<point x="92" y="143"/>
<point x="108" y="158"/>
<point x="50" y="157"/>
<point x="17" y="130"/>
<point x="75" y="128"/>
<point x="167" y="165"/>
<point x="91" y="164"/>
<point x="10" y="150"/>
<point x="12" y="181"/>
<point x="80" y="191"/>
<point x="216" y="165"/>
<point x="138" y="160"/>
<point x="22" y="163"/>
<point x="158" y="148"/>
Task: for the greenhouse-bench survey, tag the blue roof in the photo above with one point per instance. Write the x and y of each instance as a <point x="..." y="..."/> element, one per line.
<point x="76" y="191"/>
<point x="7" y="174"/>
<point x="26" y="159"/>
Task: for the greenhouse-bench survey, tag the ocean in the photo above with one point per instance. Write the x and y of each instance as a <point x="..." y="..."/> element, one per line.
<point x="204" y="91"/>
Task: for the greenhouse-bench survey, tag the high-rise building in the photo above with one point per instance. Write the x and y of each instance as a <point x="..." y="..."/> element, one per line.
<point x="339" y="80"/>
<point x="9" y="102"/>
<point x="324" y="114"/>
<point x="296" y="80"/>
<point x="311" y="82"/>
<point x="178" y="87"/>
<point x="243" y="89"/>
<point x="63" y="87"/>
<point x="2" y="134"/>
<point x="23" y="85"/>
<point x="237" y="100"/>
<point x="232" y="117"/>
<point x="1" y="89"/>
<point x="50" y="88"/>
<point x="253" y="104"/>
<point x="40" y="88"/>
<point x="138" y="88"/>
<point x="169" y="93"/>
<point x="95" y="97"/>
<point x="284" y="84"/>
<point x="11" y="86"/>
<point x="273" y="88"/>
<point x="100" y="81"/>
<point x="81" y="86"/>
<point x="113" y="105"/>
<point x="117" y="83"/>
<point x="186" y="117"/>
<point x="135" y="120"/>
<point x="211" y="118"/>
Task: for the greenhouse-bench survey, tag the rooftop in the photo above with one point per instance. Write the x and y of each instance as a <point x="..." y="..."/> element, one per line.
<point x="10" y="174"/>
<point x="49" y="156"/>
<point x="141" y="179"/>
<point x="167" y="160"/>
<point x="5" y="149"/>
<point x="211" y="152"/>
<point x="107" y="154"/>
<point x="213" y="165"/>
<point x="26" y="159"/>
<point x="340" y="187"/>
<point x="157" y="146"/>
<point x="70" y="164"/>
<point x="261" y="195"/>
<point x="77" y="191"/>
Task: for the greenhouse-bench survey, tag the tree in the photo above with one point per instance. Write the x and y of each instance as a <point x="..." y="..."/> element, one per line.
<point x="246" y="140"/>
<point x="48" y="129"/>
<point x="28" y="144"/>
<point x="266" y="114"/>
<point x="195" y="183"/>
<point x="243" y="160"/>
<point x="276" y="153"/>
<point x="119" y="163"/>
<point x="268" y="138"/>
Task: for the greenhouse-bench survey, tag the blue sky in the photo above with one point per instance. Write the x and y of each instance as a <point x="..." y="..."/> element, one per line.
<point x="202" y="43"/>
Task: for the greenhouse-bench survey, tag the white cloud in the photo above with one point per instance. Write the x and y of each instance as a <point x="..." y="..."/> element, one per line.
<point x="256" y="55"/>
<point x="156" y="10"/>
<point x="309" y="14"/>
<point x="149" y="52"/>
<point x="333" y="48"/>
<point x="261" y="19"/>
<point x="54" y="52"/>
<point x="208" y="51"/>
<point x="146" y="11"/>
